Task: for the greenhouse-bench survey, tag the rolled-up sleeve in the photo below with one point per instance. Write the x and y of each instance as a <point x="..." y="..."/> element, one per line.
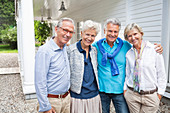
<point x="42" y="62"/>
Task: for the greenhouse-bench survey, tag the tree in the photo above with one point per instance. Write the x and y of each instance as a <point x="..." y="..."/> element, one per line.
<point x="9" y="36"/>
<point x="7" y="14"/>
<point x="42" y="31"/>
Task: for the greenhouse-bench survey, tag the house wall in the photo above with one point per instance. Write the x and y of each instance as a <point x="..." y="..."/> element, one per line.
<point x="165" y="39"/>
<point x="151" y="15"/>
<point x="148" y="14"/>
<point x="100" y="11"/>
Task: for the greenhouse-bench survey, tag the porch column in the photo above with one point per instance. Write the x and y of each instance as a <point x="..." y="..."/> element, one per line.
<point x="28" y="46"/>
<point x="166" y="36"/>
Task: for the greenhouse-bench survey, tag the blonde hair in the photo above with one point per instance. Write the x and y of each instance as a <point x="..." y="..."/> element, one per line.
<point x="131" y="27"/>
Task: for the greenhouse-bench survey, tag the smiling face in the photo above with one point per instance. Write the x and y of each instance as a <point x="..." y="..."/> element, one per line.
<point x="64" y="33"/>
<point x="88" y="37"/>
<point x="111" y="32"/>
<point x="135" y="37"/>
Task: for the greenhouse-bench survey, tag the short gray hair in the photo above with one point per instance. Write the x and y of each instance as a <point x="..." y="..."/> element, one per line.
<point x="60" y="22"/>
<point x="89" y="24"/>
<point x="114" y="21"/>
<point x="131" y="27"/>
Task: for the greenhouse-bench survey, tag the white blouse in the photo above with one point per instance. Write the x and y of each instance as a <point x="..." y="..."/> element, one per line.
<point x="152" y="70"/>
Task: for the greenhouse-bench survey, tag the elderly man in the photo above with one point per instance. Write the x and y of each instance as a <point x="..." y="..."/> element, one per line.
<point x="52" y="71"/>
<point x="111" y="67"/>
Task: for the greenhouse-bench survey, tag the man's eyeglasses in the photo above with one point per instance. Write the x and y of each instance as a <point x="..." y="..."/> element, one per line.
<point x="66" y="31"/>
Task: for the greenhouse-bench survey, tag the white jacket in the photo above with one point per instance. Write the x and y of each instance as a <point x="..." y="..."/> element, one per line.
<point x="76" y="60"/>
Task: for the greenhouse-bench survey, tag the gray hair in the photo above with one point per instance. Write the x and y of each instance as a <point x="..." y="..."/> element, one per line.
<point x="114" y="21"/>
<point x="131" y="27"/>
<point x="60" y="22"/>
<point x="89" y="24"/>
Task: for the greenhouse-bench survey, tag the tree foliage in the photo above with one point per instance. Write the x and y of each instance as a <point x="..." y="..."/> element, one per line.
<point x="7" y="14"/>
<point x="9" y="36"/>
<point x="42" y="31"/>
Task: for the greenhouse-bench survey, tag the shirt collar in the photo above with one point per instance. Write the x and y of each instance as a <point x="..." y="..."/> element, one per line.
<point x="79" y="47"/>
<point x="53" y="45"/>
<point x="148" y="44"/>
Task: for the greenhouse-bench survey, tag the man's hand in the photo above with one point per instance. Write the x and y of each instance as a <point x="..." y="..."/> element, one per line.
<point x="50" y="111"/>
<point x="124" y="92"/>
<point x="159" y="96"/>
<point x="158" y="48"/>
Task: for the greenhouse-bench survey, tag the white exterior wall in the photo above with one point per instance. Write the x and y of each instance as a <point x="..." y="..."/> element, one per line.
<point x="147" y="13"/>
<point x="165" y="40"/>
<point x="100" y="11"/>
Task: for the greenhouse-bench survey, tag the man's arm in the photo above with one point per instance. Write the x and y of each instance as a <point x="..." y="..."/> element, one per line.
<point x="41" y="70"/>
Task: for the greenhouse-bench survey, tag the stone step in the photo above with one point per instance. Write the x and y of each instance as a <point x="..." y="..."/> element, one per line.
<point x="30" y="96"/>
<point x="12" y="70"/>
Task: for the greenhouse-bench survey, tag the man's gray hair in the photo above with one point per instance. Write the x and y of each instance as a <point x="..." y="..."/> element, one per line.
<point x="89" y="24"/>
<point x="114" y="21"/>
<point x="60" y="22"/>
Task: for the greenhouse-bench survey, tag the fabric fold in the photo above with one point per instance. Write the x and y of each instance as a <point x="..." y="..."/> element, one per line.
<point x="114" y="67"/>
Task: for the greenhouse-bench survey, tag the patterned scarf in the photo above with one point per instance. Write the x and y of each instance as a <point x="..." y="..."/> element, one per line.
<point x="137" y="69"/>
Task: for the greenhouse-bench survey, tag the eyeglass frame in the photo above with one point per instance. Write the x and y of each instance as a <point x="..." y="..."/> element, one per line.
<point x="66" y="31"/>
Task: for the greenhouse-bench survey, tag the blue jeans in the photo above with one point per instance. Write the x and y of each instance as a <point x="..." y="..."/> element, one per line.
<point x="118" y="100"/>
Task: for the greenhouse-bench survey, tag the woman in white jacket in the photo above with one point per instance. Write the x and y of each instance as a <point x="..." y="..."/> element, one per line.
<point x="145" y="80"/>
<point x="82" y="56"/>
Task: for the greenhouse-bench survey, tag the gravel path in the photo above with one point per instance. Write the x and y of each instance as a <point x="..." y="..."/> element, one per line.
<point x="12" y="99"/>
<point x="8" y="60"/>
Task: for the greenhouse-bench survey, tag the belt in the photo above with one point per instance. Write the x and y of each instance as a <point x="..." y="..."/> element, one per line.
<point x="58" y="96"/>
<point x="145" y="92"/>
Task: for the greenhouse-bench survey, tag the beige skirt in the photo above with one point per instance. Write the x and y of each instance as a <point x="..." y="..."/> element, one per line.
<point x="92" y="105"/>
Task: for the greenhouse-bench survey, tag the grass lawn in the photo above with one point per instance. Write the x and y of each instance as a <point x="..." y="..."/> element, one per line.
<point x="5" y="48"/>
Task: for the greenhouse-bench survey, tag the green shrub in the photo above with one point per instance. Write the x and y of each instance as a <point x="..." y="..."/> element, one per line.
<point x="42" y="31"/>
<point x="9" y="36"/>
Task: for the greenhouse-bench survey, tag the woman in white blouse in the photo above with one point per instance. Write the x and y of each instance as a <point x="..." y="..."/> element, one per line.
<point x="145" y="80"/>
